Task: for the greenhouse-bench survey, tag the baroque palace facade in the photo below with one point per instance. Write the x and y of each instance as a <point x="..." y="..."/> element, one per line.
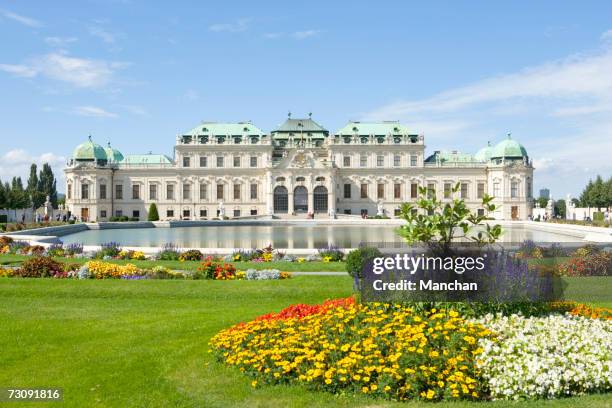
<point x="237" y="170"/>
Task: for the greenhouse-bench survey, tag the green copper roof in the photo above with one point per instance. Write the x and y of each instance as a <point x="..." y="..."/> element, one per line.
<point x="214" y="128"/>
<point x="113" y="155"/>
<point x="509" y="148"/>
<point x="450" y="157"/>
<point x="373" y="128"/>
<point x="89" y="151"/>
<point x="485" y="153"/>
<point x="146" y="159"/>
<point x="301" y="125"/>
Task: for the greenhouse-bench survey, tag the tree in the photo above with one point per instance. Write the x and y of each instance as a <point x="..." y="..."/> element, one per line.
<point x="437" y="224"/>
<point x="18" y="197"/>
<point x="47" y="184"/>
<point x="560" y="209"/>
<point x="153" y="215"/>
<point x="598" y="195"/>
<point x="37" y="198"/>
<point x="585" y="196"/>
<point x="3" y="196"/>
<point x="543" y="201"/>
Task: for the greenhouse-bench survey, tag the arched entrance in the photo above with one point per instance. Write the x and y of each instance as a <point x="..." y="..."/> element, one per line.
<point x="281" y="200"/>
<point x="300" y="199"/>
<point x="320" y="199"/>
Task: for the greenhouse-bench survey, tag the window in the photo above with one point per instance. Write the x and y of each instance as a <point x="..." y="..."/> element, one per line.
<point x="236" y="213"/>
<point x="170" y="192"/>
<point x="102" y="213"/>
<point x="348" y="211"/>
<point x="219" y="191"/>
<point x="253" y="212"/>
<point x="431" y="190"/>
<point x="186" y="191"/>
<point x="413" y="160"/>
<point x="480" y="190"/>
<point x="414" y="190"/>
<point x="513" y="189"/>
<point x="495" y="189"/>
<point x="481" y="212"/>
<point x="236" y="191"/>
<point x="363" y="160"/>
<point x="464" y="191"/>
<point x="236" y="161"/>
<point x="203" y="191"/>
<point x="203" y="161"/>
<point x="186" y="214"/>
<point x="397" y="160"/>
<point x="119" y="192"/>
<point x="220" y="162"/>
<point x="84" y="191"/>
<point x="528" y="189"/>
<point x="397" y="212"/>
<point x="253" y="191"/>
<point x="447" y="190"/>
<point x="186" y="161"/>
<point x="118" y="213"/>
<point x="364" y="191"/>
<point x="380" y="160"/>
<point x="135" y="214"/>
<point x="69" y="191"/>
<point x="135" y="191"/>
<point x="253" y="161"/>
<point x="380" y="190"/>
<point x="397" y="191"/>
<point x="203" y="213"/>
<point x="346" y="161"/>
<point x="152" y="191"/>
<point x="169" y="213"/>
<point x="347" y="191"/>
<point x="102" y="191"/>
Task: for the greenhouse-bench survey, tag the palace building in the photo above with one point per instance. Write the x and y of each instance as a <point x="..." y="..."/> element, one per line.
<point x="238" y="170"/>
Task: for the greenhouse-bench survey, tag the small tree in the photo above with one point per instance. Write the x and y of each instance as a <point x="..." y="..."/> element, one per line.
<point x="153" y="215"/>
<point x="437" y="224"/>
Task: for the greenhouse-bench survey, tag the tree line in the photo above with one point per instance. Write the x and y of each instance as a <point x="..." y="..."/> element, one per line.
<point x="13" y="194"/>
<point x="597" y="194"/>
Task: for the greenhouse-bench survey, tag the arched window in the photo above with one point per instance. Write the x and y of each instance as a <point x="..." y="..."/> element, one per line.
<point x="280" y="179"/>
<point x="300" y="179"/>
<point x="320" y="199"/>
<point x="281" y="200"/>
<point x="300" y="199"/>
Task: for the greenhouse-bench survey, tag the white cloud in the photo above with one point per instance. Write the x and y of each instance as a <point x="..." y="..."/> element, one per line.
<point x="103" y="34"/>
<point x="302" y="35"/>
<point x="27" y="21"/>
<point x="93" y="111"/>
<point x="16" y="163"/>
<point x="60" y="41"/>
<point x="135" y="110"/>
<point x="607" y="35"/>
<point x="80" y="72"/>
<point x="242" y="24"/>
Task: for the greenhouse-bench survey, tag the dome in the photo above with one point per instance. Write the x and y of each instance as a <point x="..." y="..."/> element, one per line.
<point x="113" y="155"/>
<point x="509" y="149"/>
<point x="89" y="151"/>
<point x="485" y="153"/>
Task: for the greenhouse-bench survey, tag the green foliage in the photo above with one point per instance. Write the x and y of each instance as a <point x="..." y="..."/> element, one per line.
<point x="543" y="202"/>
<point x="560" y="208"/>
<point x="437" y="224"/>
<point x="597" y="193"/>
<point x="598" y="216"/>
<point x="153" y="214"/>
<point x="40" y="267"/>
<point x="356" y="259"/>
<point x="47" y="185"/>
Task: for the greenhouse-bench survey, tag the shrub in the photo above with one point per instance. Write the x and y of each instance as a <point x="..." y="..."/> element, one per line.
<point x="134" y="219"/>
<point x="153" y="214"/>
<point x="39" y="267"/>
<point x="106" y="270"/>
<point x="56" y="250"/>
<point x="357" y="259"/>
<point x="246" y="255"/>
<point x="108" y="249"/>
<point x="4" y="240"/>
<point x="161" y="272"/>
<point x="6" y="272"/>
<point x="592" y="264"/>
<point x="169" y="252"/>
<point x="121" y="218"/>
<point x="331" y="252"/>
<point x="191" y="255"/>
<point x="211" y="269"/>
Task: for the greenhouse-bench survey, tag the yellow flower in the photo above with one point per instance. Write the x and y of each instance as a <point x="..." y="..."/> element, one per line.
<point x="254" y="383"/>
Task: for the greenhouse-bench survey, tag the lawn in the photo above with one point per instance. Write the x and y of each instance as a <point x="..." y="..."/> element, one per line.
<point x="7" y="259"/>
<point x="144" y="343"/>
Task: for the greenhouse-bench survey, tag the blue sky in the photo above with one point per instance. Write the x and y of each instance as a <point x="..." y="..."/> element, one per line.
<point x="137" y="73"/>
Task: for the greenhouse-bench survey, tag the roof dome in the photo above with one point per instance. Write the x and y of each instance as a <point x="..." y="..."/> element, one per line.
<point x="509" y="149"/>
<point x="113" y="155"/>
<point x="485" y="153"/>
<point x="89" y="151"/>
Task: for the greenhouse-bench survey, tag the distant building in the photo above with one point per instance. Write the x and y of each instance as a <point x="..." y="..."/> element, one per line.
<point x="545" y="193"/>
<point x="237" y="170"/>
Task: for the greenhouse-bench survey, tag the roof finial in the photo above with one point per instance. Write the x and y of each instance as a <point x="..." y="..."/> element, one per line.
<point x="289" y="115"/>
<point x="109" y="144"/>
<point x="509" y="135"/>
<point x="309" y="115"/>
<point x="489" y="143"/>
<point x="89" y="137"/>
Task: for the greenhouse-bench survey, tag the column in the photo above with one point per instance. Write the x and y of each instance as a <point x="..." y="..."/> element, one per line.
<point x="310" y="202"/>
<point x="290" y="208"/>
<point x="331" y="200"/>
<point x="269" y="194"/>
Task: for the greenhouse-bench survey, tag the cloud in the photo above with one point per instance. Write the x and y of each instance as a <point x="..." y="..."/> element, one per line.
<point x="27" y="21"/>
<point x="302" y="35"/>
<point x="103" y="34"/>
<point x="80" y="72"/>
<point x="273" y="36"/>
<point x="606" y="36"/>
<point x="242" y="24"/>
<point x="60" y="41"/>
<point x="16" y="163"/>
<point x="135" y="110"/>
<point x="93" y="111"/>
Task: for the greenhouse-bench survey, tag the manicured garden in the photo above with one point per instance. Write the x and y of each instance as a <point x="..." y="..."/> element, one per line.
<point x="144" y="343"/>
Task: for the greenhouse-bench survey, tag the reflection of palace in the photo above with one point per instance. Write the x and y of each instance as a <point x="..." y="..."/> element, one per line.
<point x="237" y="170"/>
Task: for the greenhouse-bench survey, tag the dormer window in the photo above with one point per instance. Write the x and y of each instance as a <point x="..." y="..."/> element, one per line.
<point x="300" y="179"/>
<point x="397" y="139"/>
<point x="414" y="138"/>
<point x="204" y="129"/>
<point x="355" y="129"/>
<point x="237" y="139"/>
<point x="364" y="140"/>
<point x="220" y="139"/>
<point x="347" y="140"/>
<point x="245" y="129"/>
<point x="380" y="139"/>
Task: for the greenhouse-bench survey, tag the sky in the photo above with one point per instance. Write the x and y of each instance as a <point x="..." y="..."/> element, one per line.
<point x="137" y="73"/>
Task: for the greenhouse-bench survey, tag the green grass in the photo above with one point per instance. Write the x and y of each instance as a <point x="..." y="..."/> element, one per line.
<point x="7" y="259"/>
<point x="120" y="343"/>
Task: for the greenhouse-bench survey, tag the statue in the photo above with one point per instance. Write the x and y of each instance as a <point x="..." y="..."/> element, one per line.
<point x="380" y="211"/>
<point x="221" y="209"/>
<point x="48" y="207"/>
